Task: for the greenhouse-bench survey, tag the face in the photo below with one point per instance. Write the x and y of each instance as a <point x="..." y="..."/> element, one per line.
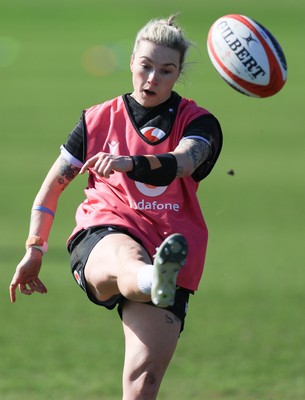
<point x="155" y="70"/>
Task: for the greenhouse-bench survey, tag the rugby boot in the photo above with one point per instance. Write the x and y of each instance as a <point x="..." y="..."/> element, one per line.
<point x="168" y="260"/>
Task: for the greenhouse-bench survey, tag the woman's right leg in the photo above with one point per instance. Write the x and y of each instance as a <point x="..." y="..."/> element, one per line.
<point x="119" y="264"/>
<point x="113" y="266"/>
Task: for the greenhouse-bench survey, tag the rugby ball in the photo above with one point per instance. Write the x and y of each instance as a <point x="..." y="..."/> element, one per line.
<point x="247" y="56"/>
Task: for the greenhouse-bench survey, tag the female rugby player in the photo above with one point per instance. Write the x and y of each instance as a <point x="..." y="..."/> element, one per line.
<point x="140" y="238"/>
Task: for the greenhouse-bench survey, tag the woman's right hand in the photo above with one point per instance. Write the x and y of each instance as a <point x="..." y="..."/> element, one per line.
<point x="26" y="275"/>
<point x="105" y="164"/>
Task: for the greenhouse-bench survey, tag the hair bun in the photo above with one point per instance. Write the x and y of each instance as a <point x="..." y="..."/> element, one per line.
<point x="170" y="20"/>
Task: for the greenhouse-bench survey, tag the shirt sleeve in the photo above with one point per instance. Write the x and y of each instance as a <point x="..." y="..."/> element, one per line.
<point x="75" y="145"/>
<point x="205" y="128"/>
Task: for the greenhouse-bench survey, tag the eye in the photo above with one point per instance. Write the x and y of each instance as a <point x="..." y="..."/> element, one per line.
<point x="145" y="66"/>
<point x="167" y="71"/>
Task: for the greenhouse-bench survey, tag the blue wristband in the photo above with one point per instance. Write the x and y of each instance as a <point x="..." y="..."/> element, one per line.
<point x="44" y="209"/>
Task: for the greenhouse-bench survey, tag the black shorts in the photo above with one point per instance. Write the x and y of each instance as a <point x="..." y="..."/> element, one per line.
<point x="80" y="247"/>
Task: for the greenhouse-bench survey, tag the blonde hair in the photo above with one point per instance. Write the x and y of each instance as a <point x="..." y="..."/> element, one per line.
<point x="166" y="33"/>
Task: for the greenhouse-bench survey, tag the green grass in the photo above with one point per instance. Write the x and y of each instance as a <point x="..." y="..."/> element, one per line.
<point x="245" y="331"/>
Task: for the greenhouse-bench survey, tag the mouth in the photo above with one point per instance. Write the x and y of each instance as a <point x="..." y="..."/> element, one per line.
<point x="149" y="93"/>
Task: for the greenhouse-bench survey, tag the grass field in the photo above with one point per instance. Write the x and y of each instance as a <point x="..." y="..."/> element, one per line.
<point x="245" y="331"/>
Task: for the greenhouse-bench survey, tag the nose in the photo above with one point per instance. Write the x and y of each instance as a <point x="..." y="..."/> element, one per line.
<point x="152" y="78"/>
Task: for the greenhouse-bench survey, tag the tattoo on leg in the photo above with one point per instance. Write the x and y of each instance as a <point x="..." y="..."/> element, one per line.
<point x="169" y="320"/>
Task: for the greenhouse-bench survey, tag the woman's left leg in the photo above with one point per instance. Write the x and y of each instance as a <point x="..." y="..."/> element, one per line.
<point x="151" y="336"/>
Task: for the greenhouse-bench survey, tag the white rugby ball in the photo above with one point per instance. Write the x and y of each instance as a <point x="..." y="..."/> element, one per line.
<point x="247" y="56"/>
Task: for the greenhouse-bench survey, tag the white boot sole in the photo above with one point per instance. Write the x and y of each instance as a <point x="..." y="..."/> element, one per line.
<point x="169" y="258"/>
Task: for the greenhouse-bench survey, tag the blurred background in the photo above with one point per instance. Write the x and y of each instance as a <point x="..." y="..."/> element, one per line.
<point x="245" y="330"/>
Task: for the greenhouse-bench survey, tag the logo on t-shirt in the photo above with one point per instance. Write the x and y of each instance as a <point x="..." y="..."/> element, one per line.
<point x="153" y="134"/>
<point x="150" y="190"/>
<point x="113" y="146"/>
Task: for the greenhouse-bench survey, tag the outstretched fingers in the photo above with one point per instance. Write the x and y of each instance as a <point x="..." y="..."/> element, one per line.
<point x="101" y="163"/>
<point x="105" y="164"/>
<point x="35" y="285"/>
<point x="13" y="288"/>
<point x="27" y="288"/>
<point x="88" y="164"/>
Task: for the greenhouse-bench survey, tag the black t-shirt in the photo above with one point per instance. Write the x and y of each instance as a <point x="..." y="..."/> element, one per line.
<point x="163" y="116"/>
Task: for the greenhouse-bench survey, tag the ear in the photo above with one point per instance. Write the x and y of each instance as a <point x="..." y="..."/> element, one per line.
<point x="131" y="62"/>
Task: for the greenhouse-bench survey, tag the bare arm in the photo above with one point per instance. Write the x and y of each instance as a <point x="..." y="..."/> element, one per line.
<point x="26" y="275"/>
<point x="190" y="153"/>
<point x="156" y="170"/>
<point x="58" y="178"/>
